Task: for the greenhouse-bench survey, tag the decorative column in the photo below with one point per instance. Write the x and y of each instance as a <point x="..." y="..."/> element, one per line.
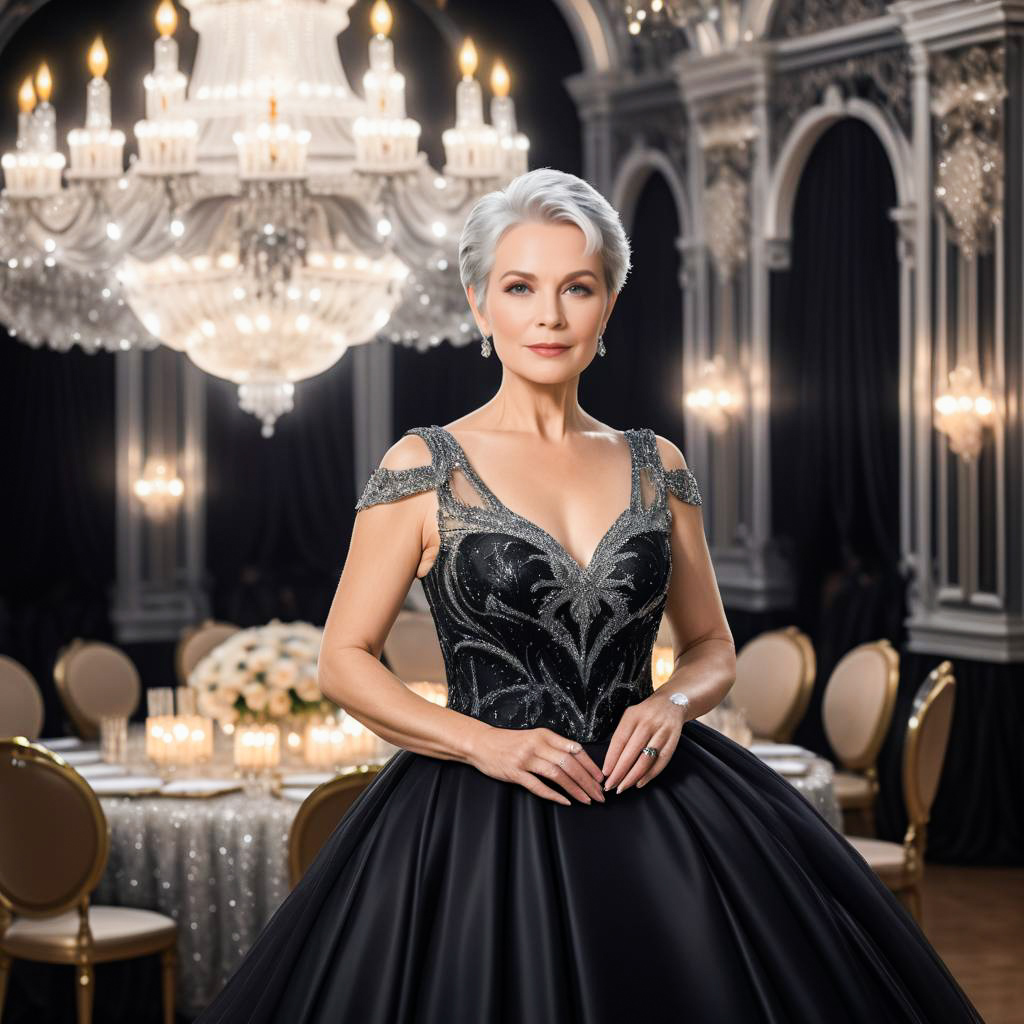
<point x="729" y="170"/>
<point x="161" y="492"/>
<point x="966" y="540"/>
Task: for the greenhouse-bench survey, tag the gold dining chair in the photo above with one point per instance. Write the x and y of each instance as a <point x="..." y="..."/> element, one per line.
<point x="774" y="680"/>
<point x="319" y="815"/>
<point x="195" y="642"/>
<point x="53" y="851"/>
<point x="412" y="649"/>
<point x="856" y="711"/>
<point x="901" y="865"/>
<point x="95" y="679"/>
<point x="21" y="703"/>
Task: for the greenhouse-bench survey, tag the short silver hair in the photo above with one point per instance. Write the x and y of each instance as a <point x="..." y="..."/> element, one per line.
<point x="545" y="195"/>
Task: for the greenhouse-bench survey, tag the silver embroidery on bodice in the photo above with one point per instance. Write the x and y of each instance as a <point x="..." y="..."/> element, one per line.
<point x="529" y="636"/>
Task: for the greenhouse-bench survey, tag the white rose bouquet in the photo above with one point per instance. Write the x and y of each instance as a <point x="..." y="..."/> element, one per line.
<point x="267" y="672"/>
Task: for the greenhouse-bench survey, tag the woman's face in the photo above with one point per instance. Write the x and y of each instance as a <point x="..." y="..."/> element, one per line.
<point x="542" y="291"/>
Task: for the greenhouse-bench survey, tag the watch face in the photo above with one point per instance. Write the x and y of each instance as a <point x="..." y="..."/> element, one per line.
<point x="679" y="698"/>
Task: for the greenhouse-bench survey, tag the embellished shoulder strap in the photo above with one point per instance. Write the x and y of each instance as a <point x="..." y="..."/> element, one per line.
<point x="681" y="482"/>
<point x="391" y="484"/>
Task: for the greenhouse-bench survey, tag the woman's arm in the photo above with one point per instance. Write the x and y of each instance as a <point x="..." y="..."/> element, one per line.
<point x="384" y="552"/>
<point x="705" y="654"/>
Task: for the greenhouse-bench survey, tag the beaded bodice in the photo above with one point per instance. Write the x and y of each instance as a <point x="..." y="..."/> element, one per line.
<point x="529" y="636"/>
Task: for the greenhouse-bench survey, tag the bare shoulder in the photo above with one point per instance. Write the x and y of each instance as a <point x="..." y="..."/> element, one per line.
<point x="671" y="456"/>
<point x="407" y="452"/>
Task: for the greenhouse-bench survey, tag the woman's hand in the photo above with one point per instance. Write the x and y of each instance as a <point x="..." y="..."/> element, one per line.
<point x="526" y="755"/>
<point x="654" y="722"/>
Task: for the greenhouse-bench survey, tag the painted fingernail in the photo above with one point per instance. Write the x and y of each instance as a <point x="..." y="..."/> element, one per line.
<point x="608" y="785"/>
<point x="619" y="788"/>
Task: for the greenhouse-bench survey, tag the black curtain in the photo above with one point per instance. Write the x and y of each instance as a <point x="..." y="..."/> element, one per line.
<point x="57" y="519"/>
<point x="835" y="470"/>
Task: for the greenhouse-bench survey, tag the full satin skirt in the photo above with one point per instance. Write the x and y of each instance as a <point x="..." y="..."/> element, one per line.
<point x="716" y="894"/>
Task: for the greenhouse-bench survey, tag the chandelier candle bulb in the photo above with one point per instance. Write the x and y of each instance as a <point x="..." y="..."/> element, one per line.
<point x="272" y="149"/>
<point x="167" y="138"/>
<point x="33" y="170"/>
<point x="386" y="140"/>
<point x="97" y="150"/>
<point x="514" y="144"/>
<point x="471" y="148"/>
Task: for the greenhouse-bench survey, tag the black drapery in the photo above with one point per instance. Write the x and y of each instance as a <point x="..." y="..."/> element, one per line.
<point x="835" y="473"/>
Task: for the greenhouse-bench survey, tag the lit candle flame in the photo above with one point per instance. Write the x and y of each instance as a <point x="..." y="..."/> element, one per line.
<point x="381" y="18"/>
<point x="500" y="81"/>
<point x="98" y="60"/>
<point x="166" y="18"/>
<point x="467" y="58"/>
<point x="44" y="83"/>
<point x="26" y="96"/>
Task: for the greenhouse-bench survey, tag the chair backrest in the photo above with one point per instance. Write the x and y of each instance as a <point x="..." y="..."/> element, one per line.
<point x="196" y="642"/>
<point x="95" y="679"/>
<point x="924" y="751"/>
<point x="320" y="814"/>
<point x="53" y="833"/>
<point x="774" y="678"/>
<point x="21" y="703"/>
<point x="858" y="703"/>
<point x="412" y="649"/>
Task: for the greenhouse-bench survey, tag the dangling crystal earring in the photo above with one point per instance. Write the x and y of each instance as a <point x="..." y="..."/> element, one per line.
<point x="601" y="347"/>
<point x="485" y="347"/>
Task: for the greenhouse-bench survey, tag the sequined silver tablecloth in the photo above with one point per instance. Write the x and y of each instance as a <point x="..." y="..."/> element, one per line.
<point x="218" y="866"/>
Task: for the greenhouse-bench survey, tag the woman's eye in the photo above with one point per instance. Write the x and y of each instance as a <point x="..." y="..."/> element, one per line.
<point x="521" y="284"/>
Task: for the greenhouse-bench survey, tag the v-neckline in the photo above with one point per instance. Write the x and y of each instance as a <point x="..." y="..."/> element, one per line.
<point x="554" y="542"/>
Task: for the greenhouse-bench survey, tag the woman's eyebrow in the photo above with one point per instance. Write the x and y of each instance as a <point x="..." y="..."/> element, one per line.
<point x="533" y="277"/>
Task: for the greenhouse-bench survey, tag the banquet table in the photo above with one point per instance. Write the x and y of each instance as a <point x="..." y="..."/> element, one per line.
<point x="218" y="865"/>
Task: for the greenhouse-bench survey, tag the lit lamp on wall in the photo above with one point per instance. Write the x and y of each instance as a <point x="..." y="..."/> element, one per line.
<point x="159" y="489"/>
<point x="716" y="396"/>
<point x="963" y="411"/>
<point x="97" y="150"/>
<point x="34" y="169"/>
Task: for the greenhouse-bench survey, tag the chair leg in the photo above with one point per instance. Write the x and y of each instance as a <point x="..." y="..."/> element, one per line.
<point x="5" y="970"/>
<point x="169" y="959"/>
<point x="85" y="983"/>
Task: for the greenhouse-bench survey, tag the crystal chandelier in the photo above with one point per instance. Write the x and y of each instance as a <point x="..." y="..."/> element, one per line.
<point x="962" y="412"/>
<point x="711" y="26"/>
<point x="272" y="220"/>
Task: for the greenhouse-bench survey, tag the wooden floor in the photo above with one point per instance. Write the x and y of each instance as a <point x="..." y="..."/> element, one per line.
<point x="974" y="917"/>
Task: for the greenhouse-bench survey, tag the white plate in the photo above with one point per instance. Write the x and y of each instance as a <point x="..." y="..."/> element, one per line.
<point x="296" y="793"/>
<point x="199" y="787"/>
<point x="763" y="749"/>
<point x="307" y="780"/>
<point x="77" y="757"/>
<point x="788" y="766"/>
<point x="61" y="743"/>
<point x="127" y="785"/>
<point x="98" y="771"/>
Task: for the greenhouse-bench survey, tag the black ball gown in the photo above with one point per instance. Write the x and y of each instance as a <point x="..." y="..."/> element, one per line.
<point x="715" y="894"/>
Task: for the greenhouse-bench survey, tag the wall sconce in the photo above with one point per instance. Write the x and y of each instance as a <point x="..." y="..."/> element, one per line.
<point x="716" y="395"/>
<point x="158" y="488"/>
<point x="963" y="411"/>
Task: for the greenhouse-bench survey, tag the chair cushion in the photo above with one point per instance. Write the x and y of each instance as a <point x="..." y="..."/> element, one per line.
<point x="853" y="790"/>
<point x="886" y="859"/>
<point x="113" y="928"/>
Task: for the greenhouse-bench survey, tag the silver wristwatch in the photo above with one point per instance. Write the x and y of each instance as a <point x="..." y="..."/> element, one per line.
<point x="680" y="698"/>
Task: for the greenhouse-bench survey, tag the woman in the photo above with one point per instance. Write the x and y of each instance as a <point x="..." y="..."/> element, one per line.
<point x="562" y="843"/>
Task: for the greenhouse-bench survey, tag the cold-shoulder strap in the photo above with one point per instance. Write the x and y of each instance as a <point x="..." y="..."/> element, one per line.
<point x="681" y="482"/>
<point x="391" y="484"/>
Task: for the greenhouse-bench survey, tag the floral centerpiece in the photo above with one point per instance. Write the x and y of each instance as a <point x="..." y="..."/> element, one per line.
<point x="263" y="673"/>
